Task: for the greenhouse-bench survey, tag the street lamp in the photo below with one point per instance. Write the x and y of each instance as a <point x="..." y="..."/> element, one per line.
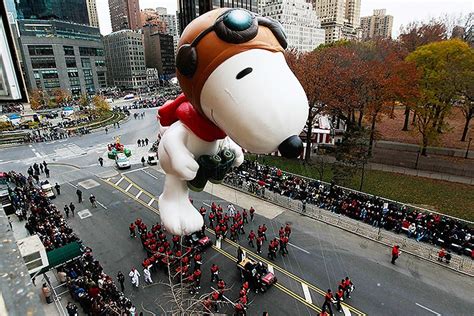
<point x="467" y="150"/>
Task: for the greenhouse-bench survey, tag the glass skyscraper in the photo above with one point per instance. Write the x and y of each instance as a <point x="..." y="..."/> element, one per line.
<point x="64" y="10"/>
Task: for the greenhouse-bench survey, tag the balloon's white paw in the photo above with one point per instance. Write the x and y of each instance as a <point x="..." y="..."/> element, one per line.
<point x="179" y="216"/>
<point x="185" y="167"/>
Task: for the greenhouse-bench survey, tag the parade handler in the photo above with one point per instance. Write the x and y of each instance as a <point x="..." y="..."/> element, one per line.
<point x="238" y="92"/>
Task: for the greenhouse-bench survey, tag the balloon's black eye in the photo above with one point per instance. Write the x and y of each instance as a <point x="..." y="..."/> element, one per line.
<point x="243" y="73"/>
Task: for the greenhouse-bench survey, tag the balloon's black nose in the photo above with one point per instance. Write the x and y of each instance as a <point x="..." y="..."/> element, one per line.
<point x="291" y="147"/>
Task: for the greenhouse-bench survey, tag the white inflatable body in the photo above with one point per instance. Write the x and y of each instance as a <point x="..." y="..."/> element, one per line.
<point x="257" y="112"/>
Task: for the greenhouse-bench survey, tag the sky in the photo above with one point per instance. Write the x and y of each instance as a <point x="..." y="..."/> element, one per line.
<point x="403" y="11"/>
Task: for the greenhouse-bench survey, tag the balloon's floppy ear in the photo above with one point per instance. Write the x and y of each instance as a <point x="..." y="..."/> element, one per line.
<point x="186" y="60"/>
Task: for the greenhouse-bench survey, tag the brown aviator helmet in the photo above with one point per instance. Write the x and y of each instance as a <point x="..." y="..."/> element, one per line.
<point x="214" y="37"/>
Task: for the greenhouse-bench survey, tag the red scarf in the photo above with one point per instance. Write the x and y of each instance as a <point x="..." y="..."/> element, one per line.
<point x="181" y="109"/>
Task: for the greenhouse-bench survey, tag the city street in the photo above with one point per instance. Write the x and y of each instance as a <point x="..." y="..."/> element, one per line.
<point x="319" y="255"/>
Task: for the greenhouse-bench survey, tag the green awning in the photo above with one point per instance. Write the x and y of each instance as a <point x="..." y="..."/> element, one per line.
<point x="57" y="257"/>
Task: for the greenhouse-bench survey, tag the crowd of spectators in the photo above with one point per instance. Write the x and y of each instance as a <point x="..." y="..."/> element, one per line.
<point x="14" y="107"/>
<point x="424" y="226"/>
<point x="94" y="290"/>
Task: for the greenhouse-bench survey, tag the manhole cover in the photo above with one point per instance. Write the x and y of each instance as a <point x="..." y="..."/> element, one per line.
<point x="89" y="184"/>
<point x="84" y="214"/>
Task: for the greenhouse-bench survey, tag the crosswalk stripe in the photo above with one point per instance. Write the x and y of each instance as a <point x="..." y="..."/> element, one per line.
<point x="128" y="188"/>
<point x="120" y="180"/>
<point x="151" y="202"/>
<point x="218" y="243"/>
<point x="307" y="295"/>
<point x="138" y="194"/>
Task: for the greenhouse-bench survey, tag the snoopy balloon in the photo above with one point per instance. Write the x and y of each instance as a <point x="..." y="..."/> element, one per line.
<point x="238" y="92"/>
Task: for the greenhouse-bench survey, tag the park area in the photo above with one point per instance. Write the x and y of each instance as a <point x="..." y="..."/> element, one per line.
<point x="449" y="198"/>
<point x="390" y="129"/>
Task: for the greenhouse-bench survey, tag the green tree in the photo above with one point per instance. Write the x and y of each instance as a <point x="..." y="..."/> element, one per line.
<point x="442" y="67"/>
<point x="351" y="154"/>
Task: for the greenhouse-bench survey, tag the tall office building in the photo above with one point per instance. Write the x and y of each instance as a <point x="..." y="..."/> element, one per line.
<point x="188" y="10"/>
<point x="159" y="52"/>
<point x="171" y="24"/>
<point x="151" y="19"/>
<point x="58" y="54"/>
<point x="92" y="12"/>
<point x="125" y="14"/>
<point x="64" y="10"/>
<point x="339" y="18"/>
<point x="12" y="85"/>
<point x="378" y="25"/>
<point x="125" y="57"/>
<point x="299" y="19"/>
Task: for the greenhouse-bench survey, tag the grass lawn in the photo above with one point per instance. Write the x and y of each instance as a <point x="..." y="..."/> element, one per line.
<point x="450" y="198"/>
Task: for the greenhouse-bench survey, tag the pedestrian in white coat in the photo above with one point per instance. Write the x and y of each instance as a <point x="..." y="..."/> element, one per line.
<point x="147" y="275"/>
<point x="135" y="277"/>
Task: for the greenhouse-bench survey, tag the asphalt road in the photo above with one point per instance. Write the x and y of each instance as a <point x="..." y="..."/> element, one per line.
<point x="319" y="257"/>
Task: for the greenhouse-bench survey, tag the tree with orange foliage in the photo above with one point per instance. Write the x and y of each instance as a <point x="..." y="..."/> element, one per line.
<point x="38" y="99"/>
<point x="389" y="80"/>
<point x="60" y="96"/>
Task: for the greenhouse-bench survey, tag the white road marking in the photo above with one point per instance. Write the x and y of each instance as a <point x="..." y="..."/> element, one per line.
<point x="120" y="180"/>
<point x="30" y="146"/>
<point x="298" y="248"/>
<point x="208" y="205"/>
<point x="151" y="175"/>
<point x="270" y="269"/>
<point x="138" y="194"/>
<point x="430" y="310"/>
<point x="36" y="153"/>
<point x="101" y="205"/>
<point x="74" y="186"/>
<point x="84" y="214"/>
<point x="5" y="162"/>
<point x="134" y="170"/>
<point x="347" y="311"/>
<point x="307" y="295"/>
<point x="151" y="202"/>
<point x="218" y="243"/>
<point x="128" y="188"/>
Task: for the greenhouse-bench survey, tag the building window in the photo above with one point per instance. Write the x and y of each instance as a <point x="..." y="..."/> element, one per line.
<point x="68" y="50"/>
<point x="100" y="63"/>
<point x="40" y="50"/>
<point x="71" y="63"/>
<point x="101" y="79"/>
<point x="50" y="79"/>
<point x="38" y="63"/>
<point x="86" y="63"/>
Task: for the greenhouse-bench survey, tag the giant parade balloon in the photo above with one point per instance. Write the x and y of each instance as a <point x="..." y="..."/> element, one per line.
<point x="238" y="92"/>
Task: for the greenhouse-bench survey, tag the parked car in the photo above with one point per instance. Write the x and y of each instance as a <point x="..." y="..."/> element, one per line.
<point x="122" y="161"/>
<point x="129" y="96"/>
<point x="48" y="190"/>
<point x="152" y="158"/>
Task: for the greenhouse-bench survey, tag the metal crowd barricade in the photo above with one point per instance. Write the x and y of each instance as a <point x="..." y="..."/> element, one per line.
<point x="420" y="249"/>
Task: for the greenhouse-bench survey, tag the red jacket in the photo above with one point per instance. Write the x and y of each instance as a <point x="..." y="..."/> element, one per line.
<point x="395" y="251"/>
